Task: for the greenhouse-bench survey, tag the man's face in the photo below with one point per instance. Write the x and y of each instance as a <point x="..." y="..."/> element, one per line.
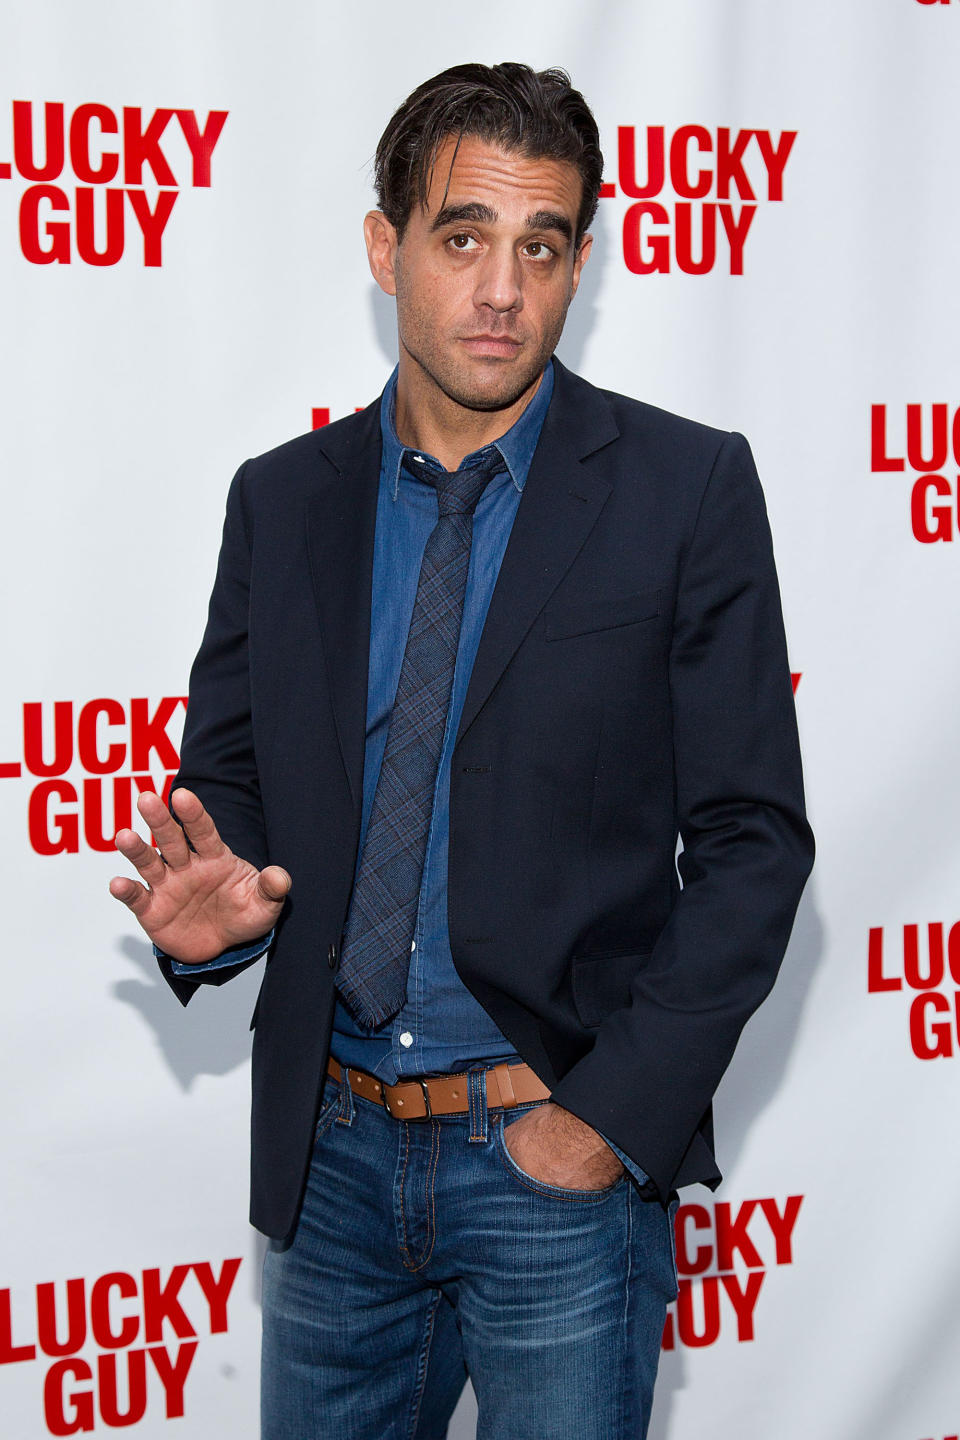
<point x="484" y="274"/>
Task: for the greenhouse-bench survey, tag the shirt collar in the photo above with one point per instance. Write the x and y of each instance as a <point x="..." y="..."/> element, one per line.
<point x="516" y="446"/>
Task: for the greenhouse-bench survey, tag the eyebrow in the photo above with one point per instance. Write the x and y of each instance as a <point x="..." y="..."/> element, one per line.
<point x="550" y="220"/>
<point x="477" y="214"/>
<point x="472" y="214"/>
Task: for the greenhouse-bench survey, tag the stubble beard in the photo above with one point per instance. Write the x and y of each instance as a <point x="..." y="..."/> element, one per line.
<point x="498" y="389"/>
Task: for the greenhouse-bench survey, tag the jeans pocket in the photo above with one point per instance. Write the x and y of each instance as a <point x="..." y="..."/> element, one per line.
<point x="328" y="1109"/>
<point x="540" y="1187"/>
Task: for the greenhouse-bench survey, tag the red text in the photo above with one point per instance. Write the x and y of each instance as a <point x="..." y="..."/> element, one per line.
<point x="112" y="156"/>
<point x="722" y="1258"/>
<point x="147" y="1317"/>
<point x="929" y="445"/>
<point x="717" y="179"/>
<point x="928" y="962"/>
<point x="101" y="739"/>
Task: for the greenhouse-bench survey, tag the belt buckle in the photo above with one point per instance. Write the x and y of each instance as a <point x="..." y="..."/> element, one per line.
<point x="426" y="1101"/>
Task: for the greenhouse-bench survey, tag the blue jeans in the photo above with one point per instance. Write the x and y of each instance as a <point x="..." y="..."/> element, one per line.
<point x="423" y="1253"/>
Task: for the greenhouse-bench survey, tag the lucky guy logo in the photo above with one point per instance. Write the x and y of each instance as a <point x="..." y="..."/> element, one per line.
<point x="112" y="156"/>
<point x="138" y="1334"/>
<point x="922" y="962"/>
<point x="923" y="442"/>
<point x="696" y="193"/>
<point x="88" y="764"/>
<point x="723" y="1255"/>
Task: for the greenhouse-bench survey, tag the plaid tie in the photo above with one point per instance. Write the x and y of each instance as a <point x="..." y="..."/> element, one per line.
<point x="383" y="911"/>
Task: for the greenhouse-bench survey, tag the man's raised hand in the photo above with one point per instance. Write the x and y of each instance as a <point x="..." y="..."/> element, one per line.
<point x="195" y="903"/>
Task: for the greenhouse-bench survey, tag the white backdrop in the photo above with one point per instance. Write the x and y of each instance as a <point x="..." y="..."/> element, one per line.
<point x="130" y="392"/>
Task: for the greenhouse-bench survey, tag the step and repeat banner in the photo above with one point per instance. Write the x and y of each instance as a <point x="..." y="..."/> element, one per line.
<point x="183" y="284"/>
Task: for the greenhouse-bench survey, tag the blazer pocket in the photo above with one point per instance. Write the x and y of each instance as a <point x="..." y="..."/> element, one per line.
<point x="587" y="615"/>
<point x="601" y="984"/>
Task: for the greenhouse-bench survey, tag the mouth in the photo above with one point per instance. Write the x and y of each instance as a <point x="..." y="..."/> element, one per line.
<point x="491" y="347"/>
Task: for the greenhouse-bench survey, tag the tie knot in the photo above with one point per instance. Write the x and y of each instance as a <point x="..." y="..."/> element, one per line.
<point x="458" y="491"/>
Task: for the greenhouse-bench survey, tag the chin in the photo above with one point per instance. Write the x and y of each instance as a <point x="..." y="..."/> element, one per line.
<point x="478" y="400"/>
<point x="496" y="391"/>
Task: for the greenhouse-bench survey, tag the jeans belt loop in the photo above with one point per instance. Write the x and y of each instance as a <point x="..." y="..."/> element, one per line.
<point x="477" y="1092"/>
<point x="347" y="1108"/>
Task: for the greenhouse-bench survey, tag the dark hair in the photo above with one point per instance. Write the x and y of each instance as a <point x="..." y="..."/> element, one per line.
<point x="537" y="113"/>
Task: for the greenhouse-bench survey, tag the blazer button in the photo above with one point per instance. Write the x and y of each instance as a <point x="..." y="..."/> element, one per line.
<point x="332" y="957"/>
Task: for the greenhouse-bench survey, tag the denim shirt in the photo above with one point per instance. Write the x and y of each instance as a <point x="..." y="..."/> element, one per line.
<point x="441" y="1027"/>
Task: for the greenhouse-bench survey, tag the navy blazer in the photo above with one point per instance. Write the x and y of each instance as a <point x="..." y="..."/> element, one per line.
<point x="631" y="686"/>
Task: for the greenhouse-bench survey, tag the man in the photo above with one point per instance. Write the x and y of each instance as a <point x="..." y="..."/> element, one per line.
<point x="475" y="658"/>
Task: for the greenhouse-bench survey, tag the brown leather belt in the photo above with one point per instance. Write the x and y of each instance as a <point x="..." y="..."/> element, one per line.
<point x="507" y="1086"/>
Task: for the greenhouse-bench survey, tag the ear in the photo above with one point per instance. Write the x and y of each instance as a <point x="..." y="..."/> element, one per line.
<point x="579" y="260"/>
<point x="382" y="242"/>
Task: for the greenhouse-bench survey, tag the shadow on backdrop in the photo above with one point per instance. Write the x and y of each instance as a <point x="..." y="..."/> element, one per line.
<point x="211" y="1036"/>
<point x="585" y="307"/>
<point x="752" y="1081"/>
<point x="768" y="1041"/>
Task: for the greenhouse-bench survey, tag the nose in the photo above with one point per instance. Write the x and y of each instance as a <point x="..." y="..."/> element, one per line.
<point x="500" y="280"/>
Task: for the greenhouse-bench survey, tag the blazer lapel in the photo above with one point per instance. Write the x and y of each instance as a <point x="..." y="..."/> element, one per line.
<point x="341" y="521"/>
<point x="559" y="507"/>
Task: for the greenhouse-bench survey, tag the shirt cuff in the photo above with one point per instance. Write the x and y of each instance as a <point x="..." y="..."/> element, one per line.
<point x="631" y="1166"/>
<point x="236" y="955"/>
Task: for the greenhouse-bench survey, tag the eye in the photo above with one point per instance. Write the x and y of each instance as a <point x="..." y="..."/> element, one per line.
<point x="539" y="250"/>
<point x="461" y="242"/>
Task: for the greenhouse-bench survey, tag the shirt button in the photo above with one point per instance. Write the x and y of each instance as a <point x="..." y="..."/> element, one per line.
<point x="406" y="1039"/>
<point x="413" y="946"/>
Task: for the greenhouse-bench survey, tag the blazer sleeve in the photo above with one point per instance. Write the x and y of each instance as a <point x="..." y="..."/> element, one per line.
<point x="747" y="849"/>
<point x="217" y="758"/>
